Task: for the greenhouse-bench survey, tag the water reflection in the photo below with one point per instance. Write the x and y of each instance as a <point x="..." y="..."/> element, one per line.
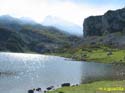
<point x="20" y="72"/>
<point x="96" y="72"/>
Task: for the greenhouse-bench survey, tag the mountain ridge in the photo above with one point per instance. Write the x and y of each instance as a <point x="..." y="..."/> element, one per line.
<point x="27" y="37"/>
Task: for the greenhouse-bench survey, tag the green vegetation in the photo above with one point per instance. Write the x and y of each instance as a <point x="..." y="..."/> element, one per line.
<point x="96" y="87"/>
<point x="18" y="36"/>
<point x="98" y="54"/>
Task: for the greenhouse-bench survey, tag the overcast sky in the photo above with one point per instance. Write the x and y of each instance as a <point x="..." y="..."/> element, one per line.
<point x="71" y="10"/>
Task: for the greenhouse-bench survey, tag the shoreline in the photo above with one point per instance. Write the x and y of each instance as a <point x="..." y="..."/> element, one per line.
<point x="86" y="60"/>
<point x="70" y="57"/>
<point x="99" y="55"/>
<point x="82" y="86"/>
<point x="97" y="86"/>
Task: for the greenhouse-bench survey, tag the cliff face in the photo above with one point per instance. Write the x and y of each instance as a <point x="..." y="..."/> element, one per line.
<point x="110" y="22"/>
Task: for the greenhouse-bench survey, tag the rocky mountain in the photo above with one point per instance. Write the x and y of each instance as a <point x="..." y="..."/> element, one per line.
<point x="107" y="29"/>
<point x="65" y="26"/>
<point x="16" y="35"/>
<point x="110" y="22"/>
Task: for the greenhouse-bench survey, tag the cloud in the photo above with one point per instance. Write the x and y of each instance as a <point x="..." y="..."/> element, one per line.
<point x="71" y="10"/>
<point x="93" y="2"/>
<point x="76" y="13"/>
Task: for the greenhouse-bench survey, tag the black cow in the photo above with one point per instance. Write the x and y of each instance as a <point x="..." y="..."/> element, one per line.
<point x="30" y="91"/>
<point x="38" y="89"/>
<point x="65" y="85"/>
<point x="49" y="88"/>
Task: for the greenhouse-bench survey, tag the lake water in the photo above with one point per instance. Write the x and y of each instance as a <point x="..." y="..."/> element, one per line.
<point x="20" y="72"/>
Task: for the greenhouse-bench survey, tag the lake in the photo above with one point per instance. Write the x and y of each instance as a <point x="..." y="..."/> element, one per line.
<point x="20" y="71"/>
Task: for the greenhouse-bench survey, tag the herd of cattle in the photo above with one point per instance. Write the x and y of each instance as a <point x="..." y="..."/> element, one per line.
<point x="39" y="90"/>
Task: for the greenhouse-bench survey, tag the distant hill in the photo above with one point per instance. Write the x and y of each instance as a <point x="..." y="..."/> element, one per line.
<point x="65" y="26"/>
<point x="22" y="35"/>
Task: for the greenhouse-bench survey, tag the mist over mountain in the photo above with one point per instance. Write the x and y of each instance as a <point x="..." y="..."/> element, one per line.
<point x="27" y="20"/>
<point x="25" y="35"/>
<point x="65" y="26"/>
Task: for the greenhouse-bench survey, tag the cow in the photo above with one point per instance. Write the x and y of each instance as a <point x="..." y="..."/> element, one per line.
<point x="65" y="84"/>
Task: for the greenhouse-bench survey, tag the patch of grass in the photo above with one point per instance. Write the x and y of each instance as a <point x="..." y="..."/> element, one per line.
<point x="102" y="55"/>
<point x="93" y="87"/>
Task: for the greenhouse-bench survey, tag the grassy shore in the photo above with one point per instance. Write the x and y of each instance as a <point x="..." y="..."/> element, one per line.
<point x="101" y="55"/>
<point x="96" y="87"/>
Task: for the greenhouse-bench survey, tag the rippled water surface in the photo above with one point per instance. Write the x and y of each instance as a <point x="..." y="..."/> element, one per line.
<point x="20" y="72"/>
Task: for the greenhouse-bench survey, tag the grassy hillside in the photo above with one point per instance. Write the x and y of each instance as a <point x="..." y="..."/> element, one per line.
<point x="104" y="49"/>
<point x="100" y="54"/>
<point x="20" y="36"/>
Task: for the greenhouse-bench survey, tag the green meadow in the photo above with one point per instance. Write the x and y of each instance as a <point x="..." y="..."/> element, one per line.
<point x="96" y="87"/>
<point x="100" y="54"/>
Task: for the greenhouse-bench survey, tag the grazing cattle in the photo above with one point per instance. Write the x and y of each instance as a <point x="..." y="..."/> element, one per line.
<point x="38" y="89"/>
<point x="30" y="91"/>
<point x="65" y="85"/>
<point x="49" y="88"/>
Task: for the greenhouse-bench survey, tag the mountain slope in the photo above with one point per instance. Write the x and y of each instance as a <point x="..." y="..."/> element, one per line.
<point x="17" y="36"/>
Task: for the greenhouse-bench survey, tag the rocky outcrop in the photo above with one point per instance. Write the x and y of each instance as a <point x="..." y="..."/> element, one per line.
<point x="110" y="22"/>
